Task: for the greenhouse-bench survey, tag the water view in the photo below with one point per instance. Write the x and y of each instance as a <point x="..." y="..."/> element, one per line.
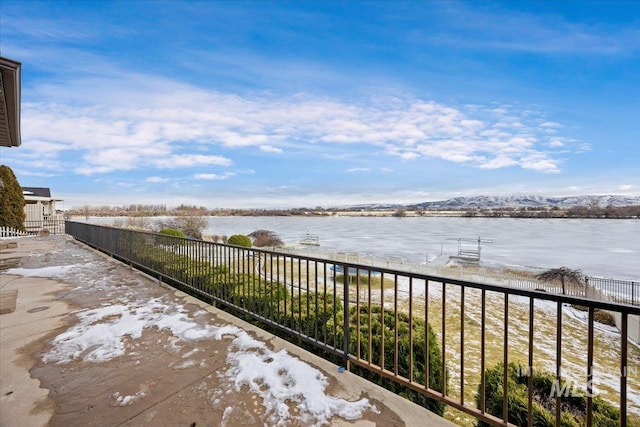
<point x="606" y="248"/>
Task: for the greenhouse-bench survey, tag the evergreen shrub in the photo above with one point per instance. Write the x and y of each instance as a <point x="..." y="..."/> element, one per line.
<point x="172" y="232"/>
<point x="240" y="240"/>
<point x="12" y="213"/>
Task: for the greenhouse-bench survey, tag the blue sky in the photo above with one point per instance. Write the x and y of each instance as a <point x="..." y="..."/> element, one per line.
<point x="289" y="104"/>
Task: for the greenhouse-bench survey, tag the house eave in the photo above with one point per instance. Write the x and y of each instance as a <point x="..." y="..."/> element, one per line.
<point x="10" y="97"/>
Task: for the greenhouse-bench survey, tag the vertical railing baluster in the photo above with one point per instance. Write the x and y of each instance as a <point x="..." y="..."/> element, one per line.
<point x="558" y="357"/>
<point x="370" y="316"/>
<point x="505" y="378"/>
<point x="252" y="279"/>
<point x="530" y="367"/>
<point x="590" y="349"/>
<point x="307" y="331"/>
<point x="483" y="317"/>
<point x="299" y="296"/>
<point x="410" y="373"/>
<point x="444" y="339"/>
<point x="293" y="298"/>
<point x="395" y="324"/>
<point x="324" y="302"/>
<point x="335" y="308"/>
<point x="357" y="328"/>
<point x="382" y="325"/>
<point x="427" y="356"/>
<point x="315" y="323"/>
<point x="346" y="318"/>
<point x="462" y="345"/>
<point x="623" y="368"/>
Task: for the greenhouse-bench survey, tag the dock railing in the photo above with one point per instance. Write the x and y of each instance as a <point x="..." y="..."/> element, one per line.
<point x="488" y="353"/>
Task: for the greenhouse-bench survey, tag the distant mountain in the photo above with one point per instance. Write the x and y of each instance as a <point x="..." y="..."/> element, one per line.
<point x="521" y="201"/>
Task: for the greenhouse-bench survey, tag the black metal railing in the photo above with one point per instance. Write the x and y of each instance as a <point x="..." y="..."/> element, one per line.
<point x="623" y="291"/>
<point x="497" y="355"/>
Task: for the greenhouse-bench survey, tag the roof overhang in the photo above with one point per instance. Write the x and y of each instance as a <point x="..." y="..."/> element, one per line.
<point x="38" y="199"/>
<point x="10" y="103"/>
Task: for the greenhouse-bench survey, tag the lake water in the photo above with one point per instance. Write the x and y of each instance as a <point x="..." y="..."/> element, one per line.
<point x="605" y="248"/>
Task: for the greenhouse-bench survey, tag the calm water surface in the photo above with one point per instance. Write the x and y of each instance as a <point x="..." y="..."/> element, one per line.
<point x="607" y="248"/>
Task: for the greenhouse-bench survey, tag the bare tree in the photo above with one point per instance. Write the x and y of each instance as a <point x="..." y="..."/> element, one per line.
<point x="400" y="212"/>
<point x="263" y="238"/>
<point x="192" y="225"/>
<point x="139" y="222"/>
<point x="564" y="275"/>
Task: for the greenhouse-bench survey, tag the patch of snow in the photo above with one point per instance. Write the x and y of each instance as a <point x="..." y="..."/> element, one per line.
<point x="128" y="400"/>
<point x="54" y="272"/>
<point x="100" y="332"/>
<point x="186" y="364"/>
<point x="278" y="377"/>
<point x="190" y="353"/>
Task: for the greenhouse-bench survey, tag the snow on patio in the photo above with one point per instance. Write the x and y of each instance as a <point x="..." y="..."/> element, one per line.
<point x="291" y="390"/>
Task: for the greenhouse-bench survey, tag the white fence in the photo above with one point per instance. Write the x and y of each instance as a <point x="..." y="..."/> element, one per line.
<point x="12" y="232"/>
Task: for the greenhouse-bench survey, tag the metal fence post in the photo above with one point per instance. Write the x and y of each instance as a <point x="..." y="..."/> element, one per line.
<point x="345" y="297"/>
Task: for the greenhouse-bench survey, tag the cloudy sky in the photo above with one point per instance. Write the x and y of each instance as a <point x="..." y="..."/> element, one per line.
<point x="288" y="104"/>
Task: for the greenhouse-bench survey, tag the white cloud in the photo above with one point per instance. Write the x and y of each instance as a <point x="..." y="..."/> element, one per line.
<point x="556" y="143"/>
<point x="625" y="187"/>
<point x="552" y="125"/>
<point x="270" y="149"/>
<point x="156" y="179"/>
<point x="143" y="121"/>
<point x="382" y="169"/>
<point x="540" y="164"/>
<point x="475" y="28"/>
<point x="213" y="176"/>
<point x="189" y="160"/>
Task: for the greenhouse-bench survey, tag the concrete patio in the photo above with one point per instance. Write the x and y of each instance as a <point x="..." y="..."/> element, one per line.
<point x="69" y="356"/>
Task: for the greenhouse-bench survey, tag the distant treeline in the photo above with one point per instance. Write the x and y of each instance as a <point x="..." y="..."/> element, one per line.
<point x="141" y="210"/>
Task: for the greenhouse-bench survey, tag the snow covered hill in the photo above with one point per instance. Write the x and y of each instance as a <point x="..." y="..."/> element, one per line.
<point x="519" y="201"/>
